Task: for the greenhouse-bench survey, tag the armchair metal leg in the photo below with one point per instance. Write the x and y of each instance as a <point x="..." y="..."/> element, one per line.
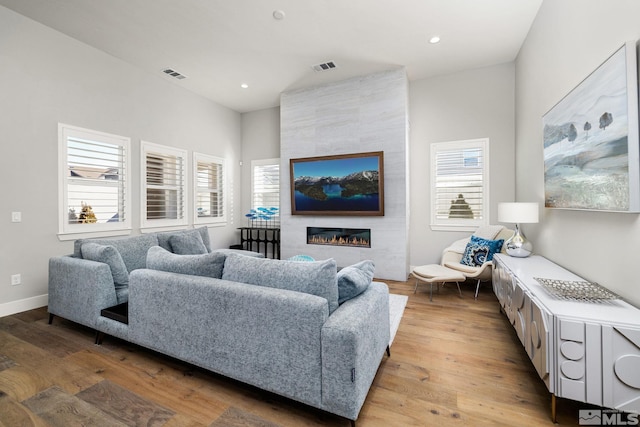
<point x="459" y="291"/>
<point x="477" y="289"/>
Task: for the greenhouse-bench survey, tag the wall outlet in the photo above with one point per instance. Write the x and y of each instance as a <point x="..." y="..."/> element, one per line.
<point x="16" y="216"/>
<point x="16" y="279"/>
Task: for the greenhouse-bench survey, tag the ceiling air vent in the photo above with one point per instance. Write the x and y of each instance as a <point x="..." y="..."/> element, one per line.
<point x="330" y="65"/>
<point x="174" y="73"/>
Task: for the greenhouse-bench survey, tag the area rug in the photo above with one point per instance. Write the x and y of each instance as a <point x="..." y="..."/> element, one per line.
<point x="397" y="304"/>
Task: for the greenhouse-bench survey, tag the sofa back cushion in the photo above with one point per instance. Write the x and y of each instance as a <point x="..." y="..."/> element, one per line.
<point x="110" y="256"/>
<point x="187" y="244"/>
<point x="209" y="264"/>
<point x="182" y="237"/>
<point x="316" y="278"/>
<point x="354" y="280"/>
<point x="133" y="250"/>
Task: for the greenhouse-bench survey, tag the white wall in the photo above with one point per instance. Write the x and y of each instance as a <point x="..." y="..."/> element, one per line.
<point x="568" y="40"/>
<point x="260" y="140"/>
<point x="46" y="78"/>
<point x="361" y="114"/>
<point x="471" y="104"/>
<point x="467" y="105"/>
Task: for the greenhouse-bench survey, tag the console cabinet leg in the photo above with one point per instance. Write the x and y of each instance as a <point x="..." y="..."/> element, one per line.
<point x="553" y="409"/>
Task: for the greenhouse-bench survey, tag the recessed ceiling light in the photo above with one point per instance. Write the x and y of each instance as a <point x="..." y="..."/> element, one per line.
<point x="278" y="15"/>
<point x="434" y="40"/>
<point x="244" y="85"/>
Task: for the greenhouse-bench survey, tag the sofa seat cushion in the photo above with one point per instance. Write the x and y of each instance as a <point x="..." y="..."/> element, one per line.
<point x="122" y="294"/>
<point x="354" y="280"/>
<point x="132" y="249"/>
<point x="208" y="264"/>
<point x="316" y="278"/>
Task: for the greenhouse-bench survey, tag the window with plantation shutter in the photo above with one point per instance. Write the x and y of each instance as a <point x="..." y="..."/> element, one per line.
<point x="164" y="172"/>
<point x="265" y="186"/>
<point x="209" y="189"/>
<point x="94" y="183"/>
<point x="460" y="184"/>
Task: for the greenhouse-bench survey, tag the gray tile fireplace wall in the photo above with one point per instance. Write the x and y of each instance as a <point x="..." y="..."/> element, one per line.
<point x="361" y="114"/>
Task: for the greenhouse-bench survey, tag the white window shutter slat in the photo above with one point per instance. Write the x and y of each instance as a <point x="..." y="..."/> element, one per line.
<point x="164" y="185"/>
<point x="210" y="189"/>
<point x="265" y="187"/>
<point x="459" y="184"/>
<point x="94" y="194"/>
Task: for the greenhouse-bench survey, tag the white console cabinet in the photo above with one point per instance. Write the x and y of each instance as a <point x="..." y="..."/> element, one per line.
<point x="584" y="351"/>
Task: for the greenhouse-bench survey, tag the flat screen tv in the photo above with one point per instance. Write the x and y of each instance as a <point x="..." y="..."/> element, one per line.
<point x="346" y="184"/>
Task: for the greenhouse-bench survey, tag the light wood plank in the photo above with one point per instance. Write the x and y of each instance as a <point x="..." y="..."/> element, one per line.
<point x="455" y="362"/>
<point x="13" y="413"/>
<point x="62" y="409"/>
<point x="153" y="382"/>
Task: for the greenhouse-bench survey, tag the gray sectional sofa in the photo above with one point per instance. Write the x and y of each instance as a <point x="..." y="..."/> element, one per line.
<point x="274" y="324"/>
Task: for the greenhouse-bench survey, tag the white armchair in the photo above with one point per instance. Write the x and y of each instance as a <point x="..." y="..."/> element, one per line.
<point x="452" y="255"/>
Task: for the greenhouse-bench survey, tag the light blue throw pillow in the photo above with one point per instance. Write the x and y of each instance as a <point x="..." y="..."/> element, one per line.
<point x="209" y="264"/>
<point x="315" y="278"/>
<point x="109" y="255"/>
<point x="479" y="250"/>
<point x="302" y="258"/>
<point x="354" y="280"/>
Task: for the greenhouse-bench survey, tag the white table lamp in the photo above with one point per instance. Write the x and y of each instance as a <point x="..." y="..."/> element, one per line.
<point x="518" y="213"/>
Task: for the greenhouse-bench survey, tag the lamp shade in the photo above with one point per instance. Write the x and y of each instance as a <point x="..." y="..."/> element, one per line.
<point x="518" y="213"/>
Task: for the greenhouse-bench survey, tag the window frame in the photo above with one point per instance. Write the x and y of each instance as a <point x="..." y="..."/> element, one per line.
<point x="460" y="224"/>
<point x="263" y="162"/>
<point x="150" y="225"/>
<point x="221" y="162"/>
<point x="68" y="231"/>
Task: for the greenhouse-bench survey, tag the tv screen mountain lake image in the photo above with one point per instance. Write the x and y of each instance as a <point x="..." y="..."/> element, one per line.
<point x="334" y="185"/>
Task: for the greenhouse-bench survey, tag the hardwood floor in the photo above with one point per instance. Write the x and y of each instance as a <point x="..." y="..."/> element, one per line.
<point x="454" y="362"/>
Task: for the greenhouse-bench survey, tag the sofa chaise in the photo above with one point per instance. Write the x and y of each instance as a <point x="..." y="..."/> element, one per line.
<point x="283" y="326"/>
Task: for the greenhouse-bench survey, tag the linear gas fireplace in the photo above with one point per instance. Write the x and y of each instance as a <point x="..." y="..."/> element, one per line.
<point x="359" y="237"/>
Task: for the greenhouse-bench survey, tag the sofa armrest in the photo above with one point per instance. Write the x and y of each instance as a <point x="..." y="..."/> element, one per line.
<point x="79" y="289"/>
<point x="354" y="339"/>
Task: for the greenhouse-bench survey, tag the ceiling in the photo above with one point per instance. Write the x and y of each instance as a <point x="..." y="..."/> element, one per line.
<point x="221" y="44"/>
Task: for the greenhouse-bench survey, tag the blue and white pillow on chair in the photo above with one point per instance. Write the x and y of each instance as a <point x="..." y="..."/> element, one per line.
<point x="479" y="251"/>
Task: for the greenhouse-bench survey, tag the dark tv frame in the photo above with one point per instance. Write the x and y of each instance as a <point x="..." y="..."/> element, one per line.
<point x="379" y="155"/>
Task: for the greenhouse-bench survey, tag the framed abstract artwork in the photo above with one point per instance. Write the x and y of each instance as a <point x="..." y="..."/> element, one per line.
<point x="591" y="153"/>
<point x="347" y="184"/>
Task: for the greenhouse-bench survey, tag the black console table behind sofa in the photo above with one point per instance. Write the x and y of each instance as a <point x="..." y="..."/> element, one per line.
<point x="261" y="239"/>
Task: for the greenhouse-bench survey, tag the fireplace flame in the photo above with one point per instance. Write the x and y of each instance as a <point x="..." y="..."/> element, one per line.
<point x="339" y="241"/>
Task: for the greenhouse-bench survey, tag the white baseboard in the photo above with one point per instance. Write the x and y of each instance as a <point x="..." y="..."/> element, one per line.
<point x="19" y="306"/>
